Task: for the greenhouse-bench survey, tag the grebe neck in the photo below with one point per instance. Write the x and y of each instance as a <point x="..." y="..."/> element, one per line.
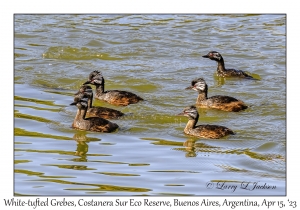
<point x="191" y="123"/>
<point x="202" y="96"/>
<point x="99" y="89"/>
<point x="221" y="65"/>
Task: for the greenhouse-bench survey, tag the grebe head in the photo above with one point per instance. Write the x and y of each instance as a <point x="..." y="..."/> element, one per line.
<point x="213" y="55"/>
<point x="190" y="112"/>
<point x="95" y="78"/>
<point x="81" y="100"/>
<point x="198" y="85"/>
<point x="84" y="89"/>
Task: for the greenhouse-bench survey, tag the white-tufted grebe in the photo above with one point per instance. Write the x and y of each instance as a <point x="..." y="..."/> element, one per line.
<point x="202" y="131"/>
<point x="222" y="71"/>
<point x="116" y="97"/>
<point x="93" y="123"/>
<point x="103" y="112"/>
<point x="225" y="103"/>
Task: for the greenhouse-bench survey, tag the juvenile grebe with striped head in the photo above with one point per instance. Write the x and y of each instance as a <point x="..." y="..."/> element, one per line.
<point x="103" y="112"/>
<point x="115" y="97"/>
<point x="202" y="131"/>
<point x="225" y="103"/>
<point x="222" y="71"/>
<point x="92" y="123"/>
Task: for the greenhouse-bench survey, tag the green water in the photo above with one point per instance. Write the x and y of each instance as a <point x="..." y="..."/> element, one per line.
<point x="156" y="57"/>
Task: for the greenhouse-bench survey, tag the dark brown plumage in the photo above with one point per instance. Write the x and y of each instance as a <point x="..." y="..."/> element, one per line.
<point x="222" y="71"/>
<point x="202" y="131"/>
<point x="225" y="103"/>
<point x="93" y="123"/>
<point x="115" y="97"/>
<point x="103" y="112"/>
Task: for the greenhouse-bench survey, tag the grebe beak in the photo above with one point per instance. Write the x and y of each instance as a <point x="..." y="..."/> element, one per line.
<point x="190" y="87"/>
<point x="180" y="114"/>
